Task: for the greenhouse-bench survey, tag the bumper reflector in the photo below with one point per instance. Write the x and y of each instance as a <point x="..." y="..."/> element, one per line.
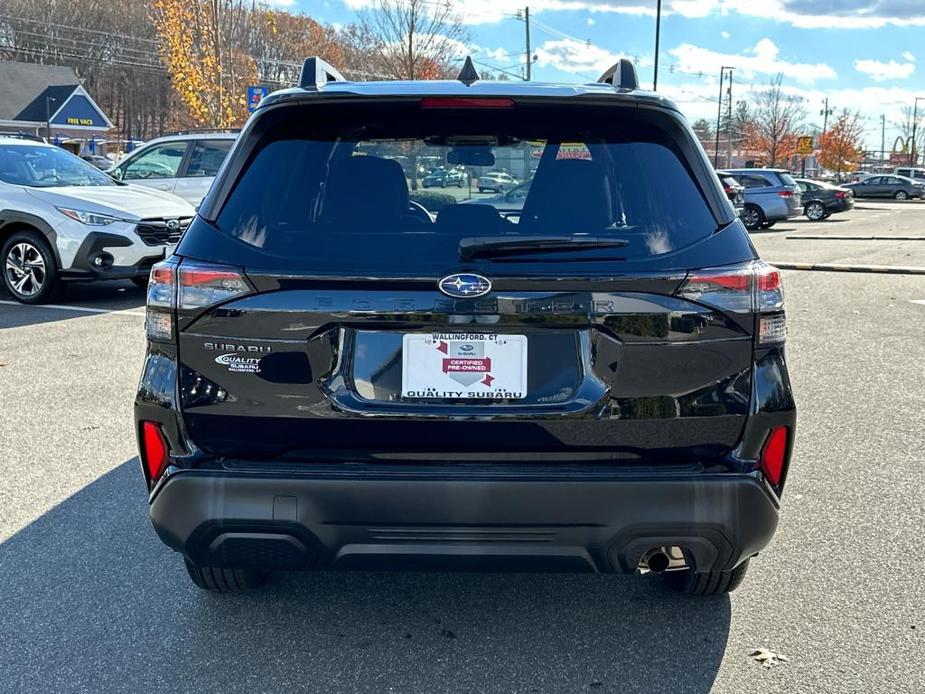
<point x="154" y="450"/>
<point x="773" y="455"/>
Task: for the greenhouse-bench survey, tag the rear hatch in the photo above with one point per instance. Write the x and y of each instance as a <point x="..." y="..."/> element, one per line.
<point x="322" y="316"/>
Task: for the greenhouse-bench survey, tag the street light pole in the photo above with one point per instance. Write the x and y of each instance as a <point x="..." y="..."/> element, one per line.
<point x="529" y="55"/>
<point x="48" y="100"/>
<point x="719" y="110"/>
<point x="658" y="32"/>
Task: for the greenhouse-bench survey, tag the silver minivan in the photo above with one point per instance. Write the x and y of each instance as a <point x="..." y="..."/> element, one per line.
<point x="183" y="164"/>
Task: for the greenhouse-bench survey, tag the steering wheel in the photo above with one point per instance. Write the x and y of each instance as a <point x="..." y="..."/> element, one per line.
<point x="419" y="212"/>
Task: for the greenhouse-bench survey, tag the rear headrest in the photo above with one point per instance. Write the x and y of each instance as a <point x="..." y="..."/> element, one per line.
<point x="470" y="218"/>
<point x="569" y="194"/>
<point x="366" y="189"/>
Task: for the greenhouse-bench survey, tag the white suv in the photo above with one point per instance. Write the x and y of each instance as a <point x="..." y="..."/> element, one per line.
<point x="63" y="219"/>
<point x="184" y="164"/>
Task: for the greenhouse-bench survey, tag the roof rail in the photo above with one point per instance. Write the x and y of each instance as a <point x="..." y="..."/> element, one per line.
<point x="200" y="131"/>
<point x="622" y="75"/>
<point x="316" y="72"/>
<point x="23" y="136"/>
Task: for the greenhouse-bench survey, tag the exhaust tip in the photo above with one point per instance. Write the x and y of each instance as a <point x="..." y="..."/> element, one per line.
<point x="657" y="561"/>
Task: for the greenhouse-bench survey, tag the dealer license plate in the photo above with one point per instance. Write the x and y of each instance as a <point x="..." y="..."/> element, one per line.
<point x="464" y="366"/>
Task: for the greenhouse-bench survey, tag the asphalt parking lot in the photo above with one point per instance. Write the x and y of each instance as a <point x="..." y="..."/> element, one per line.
<point x="90" y="601"/>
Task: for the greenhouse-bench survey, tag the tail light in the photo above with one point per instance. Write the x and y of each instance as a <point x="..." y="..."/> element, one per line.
<point x="189" y="286"/>
<point x="154" y="450"/>
<point x="774" y="455"/>
<point x="786" y="193"/>
<point x="751" y="287"/>
<point x="840" y="194"/>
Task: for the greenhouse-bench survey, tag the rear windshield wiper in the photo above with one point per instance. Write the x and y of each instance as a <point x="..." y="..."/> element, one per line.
<point x="494" y="246"/>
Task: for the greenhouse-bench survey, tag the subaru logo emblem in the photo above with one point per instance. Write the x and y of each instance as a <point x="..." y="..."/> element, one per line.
<point x="173" y="224"/>
<point x="465" y="286"/>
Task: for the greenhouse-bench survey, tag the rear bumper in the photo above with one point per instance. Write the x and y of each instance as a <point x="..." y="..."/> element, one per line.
<point x="486" y="520"/>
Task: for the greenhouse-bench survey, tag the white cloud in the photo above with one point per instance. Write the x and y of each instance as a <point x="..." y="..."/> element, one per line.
<point x="724" y="34"/>
<point x="881" y="72"/>
<point x="591" y="21"/>
<point x="763" y="59"/>
<point x="580" y="57"/>
<point x="908" y="57"/>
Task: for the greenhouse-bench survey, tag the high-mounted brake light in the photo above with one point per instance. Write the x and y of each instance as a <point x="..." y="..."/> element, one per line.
<point x="774" y="455"/>
<point x="465" y="102"/>
<point x="154" y="450"/>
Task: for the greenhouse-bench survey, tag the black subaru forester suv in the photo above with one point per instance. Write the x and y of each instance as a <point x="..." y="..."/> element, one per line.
<point x="339" y="377"/>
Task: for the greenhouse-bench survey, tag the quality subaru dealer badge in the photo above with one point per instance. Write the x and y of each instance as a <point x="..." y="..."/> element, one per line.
<point x="464" y="366"/>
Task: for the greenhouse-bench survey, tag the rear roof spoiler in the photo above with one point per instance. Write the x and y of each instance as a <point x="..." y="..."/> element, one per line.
<point x="316" y="73"/>
<point x="622" y="75"/>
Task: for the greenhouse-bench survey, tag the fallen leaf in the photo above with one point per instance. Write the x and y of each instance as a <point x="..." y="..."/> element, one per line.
<point x="768" y="658"/>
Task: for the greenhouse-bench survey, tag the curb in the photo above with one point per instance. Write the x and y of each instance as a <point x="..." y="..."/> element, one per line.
<point x="828" y="267"/>
<point x="842" y="237"/>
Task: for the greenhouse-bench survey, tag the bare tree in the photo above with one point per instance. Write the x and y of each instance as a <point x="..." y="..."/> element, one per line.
<point x="905" y="126"/>
<point x="411" y="39"/>
<point x="776" y="122"/>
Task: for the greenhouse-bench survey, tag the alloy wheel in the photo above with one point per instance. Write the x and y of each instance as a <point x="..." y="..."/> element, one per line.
<point x="815" y="211"/>
<point x="901" y="195"/>
<point x="25" y="269"/>
<point x="751" y="218"/>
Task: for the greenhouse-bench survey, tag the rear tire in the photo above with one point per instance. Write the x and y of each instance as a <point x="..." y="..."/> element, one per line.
<point x="815" y="211"/>
<point x="27" y="262"/>
<point x="710" y="583"/>
<point x="220" y="580"/>
<point x="901" y="195"/>
<point x="752" y="217"/>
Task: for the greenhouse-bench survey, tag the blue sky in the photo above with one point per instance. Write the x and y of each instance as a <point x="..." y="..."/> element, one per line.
<point x="861" y="54"/>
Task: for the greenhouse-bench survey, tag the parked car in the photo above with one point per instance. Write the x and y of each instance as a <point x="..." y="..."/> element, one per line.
<point x="496" y="182"/>
<point x="442" y="178"/>
<point x="821" y="200"/>
<point x="99" y="161"/>
<point x="335" y="379"/>
<point x="509" y="204"/>
<point x="734" y="190"/>
<point x="63" y="220"/>
<point x="184" y="164"/>
<point x="896" y="187"/>
<point x="916" y="174"/>
<point x="771" y="195"/>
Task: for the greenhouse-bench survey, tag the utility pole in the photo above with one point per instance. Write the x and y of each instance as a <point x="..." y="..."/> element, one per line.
<point x="719" y="111"/>
<point x="825" y="113"/>
<point x="729" y="123"/>
<point x="524" y="16"/>
<point x="882" y="141"/>
<point x="658" y="32"/>
<point x="48" y="100"/>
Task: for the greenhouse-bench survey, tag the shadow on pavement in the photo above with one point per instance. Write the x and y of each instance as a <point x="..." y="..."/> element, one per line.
<point x="91" y="601"/>
<point x="102" y="297"/>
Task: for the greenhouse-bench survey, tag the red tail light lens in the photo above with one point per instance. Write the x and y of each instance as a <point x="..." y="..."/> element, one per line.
<point x="203" y="285"/>
<point x="786" y="193"/>
<point x="774" y="455"/>
<point x="751" y="287"/>
<point x="840" y="194"/>
<point x="154" y="451"/>
<point x="465" y="102"/>
<point x="161" y="301"/>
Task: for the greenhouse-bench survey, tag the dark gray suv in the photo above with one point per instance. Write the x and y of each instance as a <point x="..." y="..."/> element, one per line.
<point x="339" y="378"/>
<point x="771" y="196"/>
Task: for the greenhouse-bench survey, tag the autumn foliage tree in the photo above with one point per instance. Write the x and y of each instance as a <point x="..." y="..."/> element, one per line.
<point x="200" y="42"/>
<point x="775" y="124"/>
<point x="841" y="145"/>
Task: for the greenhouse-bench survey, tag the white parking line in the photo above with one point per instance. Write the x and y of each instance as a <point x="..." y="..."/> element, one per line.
<point x="917" y="301"/>
<point x="81" y="309"/>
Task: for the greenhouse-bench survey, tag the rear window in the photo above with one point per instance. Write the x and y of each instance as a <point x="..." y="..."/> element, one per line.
<point x="787" y="179"/>
<point x="347" y="195"/>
